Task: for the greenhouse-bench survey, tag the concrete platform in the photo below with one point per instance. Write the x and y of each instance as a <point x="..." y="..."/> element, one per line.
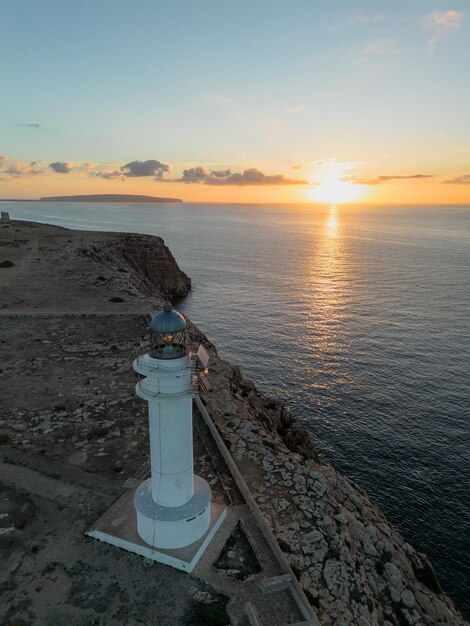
<point x="118" y="526"/>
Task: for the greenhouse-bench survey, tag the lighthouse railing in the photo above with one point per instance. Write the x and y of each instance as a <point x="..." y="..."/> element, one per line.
<point x="142" y="360"/>
<point x="167" y="390"/>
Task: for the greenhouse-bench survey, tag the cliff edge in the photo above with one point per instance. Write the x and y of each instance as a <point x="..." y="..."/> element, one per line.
<point x="353" y="565"/>
<point x="74" y="309"/>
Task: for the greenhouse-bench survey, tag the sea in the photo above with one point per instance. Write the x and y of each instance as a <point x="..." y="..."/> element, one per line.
<point x="358" y="318"/>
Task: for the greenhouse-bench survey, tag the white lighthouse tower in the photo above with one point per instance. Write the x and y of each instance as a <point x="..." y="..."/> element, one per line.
<point x="173" y="505"/>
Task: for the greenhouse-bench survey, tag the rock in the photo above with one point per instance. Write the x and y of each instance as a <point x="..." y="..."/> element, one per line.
<point x="369" y="548"/>
<point x="313" y="537"/>
<point x="319" y="488"/>
<point x="388" y="550"/>
<point x="151" y="266"/>
<point x="357" y="502"/>
<point x="395" y="594"/>
<point x="318" y="552"/>
<point x="384" y="528"/>
<point x="230" y="409"/>
<point x="392" y="574"/>
<point x="330" y="574"/>
<point x="407" y="617"/>
<point x="407" y="598"/>
<point x="425" y="573"/>
<point x="281" y="505"/>
<point x="425" y="603"/>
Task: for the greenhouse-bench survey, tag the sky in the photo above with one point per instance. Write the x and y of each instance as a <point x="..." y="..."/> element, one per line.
<point x="247" y="101"/>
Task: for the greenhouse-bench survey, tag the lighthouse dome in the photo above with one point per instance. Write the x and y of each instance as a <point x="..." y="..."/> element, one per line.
<point x="168" y="321"/>
<point x="168" y="334"/>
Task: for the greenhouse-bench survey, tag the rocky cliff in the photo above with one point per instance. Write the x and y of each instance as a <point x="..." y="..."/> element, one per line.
<point x="354" y="566"/>
<point x="152" y="267"/>
<point x="59" y="269"/>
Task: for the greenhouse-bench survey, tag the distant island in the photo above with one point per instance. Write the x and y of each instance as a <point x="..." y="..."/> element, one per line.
<point x="109" y="197"/>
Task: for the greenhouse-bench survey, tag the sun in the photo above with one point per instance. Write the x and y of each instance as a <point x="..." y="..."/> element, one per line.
<point x="330" y="187"/>
<point x="336" y="191"/>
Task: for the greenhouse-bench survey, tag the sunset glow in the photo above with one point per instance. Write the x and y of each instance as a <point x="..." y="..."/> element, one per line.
<point x="330" y="187"/>
<point x="367" y="106"/>
<point x="337" y="191"/>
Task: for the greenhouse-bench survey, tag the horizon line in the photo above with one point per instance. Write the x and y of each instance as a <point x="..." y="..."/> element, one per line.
<point x="345" y="204"/>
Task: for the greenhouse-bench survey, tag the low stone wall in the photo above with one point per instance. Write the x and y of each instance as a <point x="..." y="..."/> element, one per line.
<point x="300" y="597"/>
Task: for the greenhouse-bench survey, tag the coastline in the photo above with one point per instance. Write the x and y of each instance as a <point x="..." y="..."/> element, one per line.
<point x="352" y="564"/>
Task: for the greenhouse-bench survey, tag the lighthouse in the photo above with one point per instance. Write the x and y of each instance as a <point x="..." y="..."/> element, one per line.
<point x="173" y="506"/>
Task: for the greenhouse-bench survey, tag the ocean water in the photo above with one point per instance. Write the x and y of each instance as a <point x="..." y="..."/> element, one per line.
<point x="359" y="319"/>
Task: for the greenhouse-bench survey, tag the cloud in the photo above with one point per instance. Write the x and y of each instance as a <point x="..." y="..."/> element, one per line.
<point x="296" y="167"/>
<point x="379" y="47"/>
<point x="217" y="99"/>
<point x="296" y="110"/>
<point x="441" y="23"/>
<point x="368" y="18"/>
<point x="195" y="175"/>
<point x="378" y="54"/>
<point x="61" y="167"/>
<point x="21" y="169"/>
<point x="30" y="125"/>
<point x="378" y="180"/>
<point x="221" y="173"/>
<point x="251" y="176"/>
<point x="108" y="174"/>
<point x="135" y="169"/>
<point x="464" y="179"/>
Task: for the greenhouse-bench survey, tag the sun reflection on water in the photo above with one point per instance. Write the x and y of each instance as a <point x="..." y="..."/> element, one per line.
<point x="327" y="269"/>
<point x="327" y="286"/>
<point x="332" y="222"/>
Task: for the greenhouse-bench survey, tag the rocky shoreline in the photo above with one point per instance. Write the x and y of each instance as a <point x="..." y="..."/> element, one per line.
<point x="355" y="568"/>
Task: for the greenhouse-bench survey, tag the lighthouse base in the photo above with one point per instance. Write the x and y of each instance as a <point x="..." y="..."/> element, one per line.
<point x="172" y="527"/>
<point x="118" y="527"/>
